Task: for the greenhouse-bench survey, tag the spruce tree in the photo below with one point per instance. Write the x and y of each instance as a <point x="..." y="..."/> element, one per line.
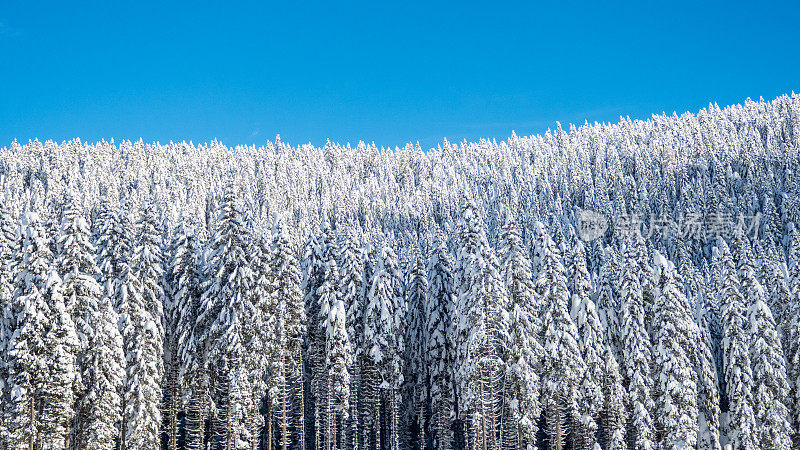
<point x="676" y="384"/>
<point x="383" y="336"/>
<point x="736" y="356"/>
<point x="563" y="367"/>
<point x="770" y="385"/>
<point x="226" y="303"/>
<point x="285" y="279"/>
<point x="525" y="352"/>
<point x="590" y="340"/>
<point x="37" y="287"/>
<point x="480" y="330"/>
<point x="8" y="243"/>
<point x="100" y="359"/>
<point x="416" y="370"/>
<point x="439" y="356"/>
<point x="636" y="352"/>
<point x="351" y="284"/>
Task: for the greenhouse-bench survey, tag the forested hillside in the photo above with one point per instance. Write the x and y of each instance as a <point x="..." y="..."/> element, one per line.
<point x="632" y="285"/>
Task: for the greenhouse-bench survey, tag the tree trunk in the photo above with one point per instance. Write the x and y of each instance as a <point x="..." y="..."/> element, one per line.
<point x="302" y="420"/>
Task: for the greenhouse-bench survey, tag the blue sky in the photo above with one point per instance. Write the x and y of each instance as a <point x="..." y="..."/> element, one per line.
<point x="377" y="71"/>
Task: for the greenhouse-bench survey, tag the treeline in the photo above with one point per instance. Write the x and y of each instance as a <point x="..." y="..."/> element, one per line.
<point x="192" y="297"/>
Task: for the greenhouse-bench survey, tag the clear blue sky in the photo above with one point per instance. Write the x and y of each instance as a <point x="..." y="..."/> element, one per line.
<point x="377" y="71"/>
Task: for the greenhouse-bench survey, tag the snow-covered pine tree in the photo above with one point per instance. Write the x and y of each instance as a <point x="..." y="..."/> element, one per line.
<point x="607" y="302"/>
<point x="592" y="346"/>
<point x="8" y="244"/>
<point x="613" y="416"/>
<point x="180" y="344"/>
<point x="675" y="380"/>
<point x="100" y="358"/>
<point x="563" y="367"/>
<point x="313" y="274"/>
<point x="225" y="304"/>
<point x="383" y="336"/>
<point x="37" y="288"/>
<point x="264" y="338"/>
<point x="186" y="268"/>
<point x="770" y="385"/>
<point x="480" y="330"/>
<point x="636" y="352"/>
<point x="285" y="280"/>
<point x="141" y="314"/>
<point x="525" y="351"/>
<point x="351" y="286"/>
<point x="101" y="402"/>
<point x="708" y="400"/>
<point x="438" y="355"/>
<point x="338" y="358"/>
<point x="742" y="432"/>
<point x="416" y="370"/>
<point x="791" y="328"/>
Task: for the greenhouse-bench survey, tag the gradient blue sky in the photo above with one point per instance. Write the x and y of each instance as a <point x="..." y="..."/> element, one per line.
<point x="377" y="71"/>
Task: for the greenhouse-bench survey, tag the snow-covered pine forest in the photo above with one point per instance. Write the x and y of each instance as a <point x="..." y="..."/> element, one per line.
<point x="632" y="285"/>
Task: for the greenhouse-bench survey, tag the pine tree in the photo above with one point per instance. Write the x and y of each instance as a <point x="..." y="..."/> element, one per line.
<point x="100" y="357"/>
<point x="676" y="385"/>
<point x="479" y="329"/>
<point x="225" y="304"/>
<point x="563" y="367"/>
<point x="36" y="288"/>
<point x="770" y="385"/>
<point x="792" y="336"/>
<point x="708" y="401"/>
<point x="383" y="336"/>
<point x="416" y="371"/>
<point x="612" y="423"/>
<point x="438" y="355"/>
<point x="636" y="353"/>
<point x="736" y="356"/>
<point x="338" y="356"/>
<point x="285" y="279"/>
<point x="351" y="285"/>
<point x="7" y="248"/>
<point x="183" y="363"/>
<point x="526" y="350"/>
<point x="313" y="274"/>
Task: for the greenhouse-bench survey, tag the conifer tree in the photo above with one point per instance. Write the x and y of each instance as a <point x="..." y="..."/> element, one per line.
<point x="736" y="356"/>
<point x="613" y="417"/>
<point x="708" y="401"/>
<point x="183" y="365"/>
<point x="382" y="332"/>
<point x="37" y="287"/>
<point x="525" y="352"/>
<point x="225" y="305"/>
<point x="351" y="285"/>
<point x="563" y="367"/>
<point x="676" y="384"/>
<point x="480" y="331"/>
<point x="7" y="248"/>
<point x="285" y="279"/>
<point x="770" y="386"/>
<point x="100" y="359"/>
<point x="416" y="371"/>
<point x="636" y="353"/>
<point x="438" y="355"/>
